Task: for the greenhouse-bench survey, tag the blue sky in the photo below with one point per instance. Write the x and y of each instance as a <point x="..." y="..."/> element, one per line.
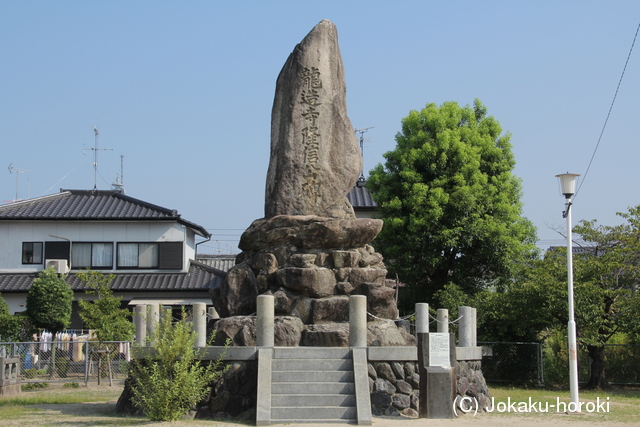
<point x="183" y="90"/>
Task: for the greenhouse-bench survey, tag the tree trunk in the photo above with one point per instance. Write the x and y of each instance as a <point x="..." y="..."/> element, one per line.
<point x="598" y="378"/>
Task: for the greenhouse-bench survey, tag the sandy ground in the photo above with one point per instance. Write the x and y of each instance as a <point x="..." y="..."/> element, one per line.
<point x="99" y="414"/>
<point x="102" y="414"/>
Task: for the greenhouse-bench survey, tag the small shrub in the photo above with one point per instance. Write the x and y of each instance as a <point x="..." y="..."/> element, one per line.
<point x="33" y="386"/>
<point x="62" y="366"/>
<point x="71" y="385"/>
<point x="30" y="373"/>
<point x="168" y="379"/>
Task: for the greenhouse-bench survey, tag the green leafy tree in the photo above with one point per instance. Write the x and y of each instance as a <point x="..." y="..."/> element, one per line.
<point x="450" y="203"/>
<point x="49" y="302"/>
<point x="606" y="280"/>
<point x="13" y="328"/>
<point x="104" y="315"/>
<point x="168" y="378"/>
<point x="4" y="306"/>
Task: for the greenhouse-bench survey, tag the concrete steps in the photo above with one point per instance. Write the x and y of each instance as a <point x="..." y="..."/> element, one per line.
<point x="312" y="384"/>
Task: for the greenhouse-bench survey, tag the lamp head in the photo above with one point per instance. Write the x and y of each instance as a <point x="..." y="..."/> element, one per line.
<point x="568" y="184"/>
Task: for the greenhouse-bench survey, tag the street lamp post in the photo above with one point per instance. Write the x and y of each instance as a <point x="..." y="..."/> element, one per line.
<point x="568" y="187"/>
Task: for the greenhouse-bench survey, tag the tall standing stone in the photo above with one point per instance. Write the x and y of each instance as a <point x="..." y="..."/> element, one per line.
<point x="315" y="158"/>
<point x="310" y="252"/>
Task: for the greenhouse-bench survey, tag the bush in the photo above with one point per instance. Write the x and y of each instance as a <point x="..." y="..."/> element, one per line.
<point x="168" y="379"/>
<point x="30" y="373"/>
<point x="71" y="385"/>
<point x="33" y="386"/>
<point x="62" y="365"/>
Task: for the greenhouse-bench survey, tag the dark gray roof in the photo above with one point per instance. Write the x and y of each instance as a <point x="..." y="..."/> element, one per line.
<point x="359" y="196"/>
<point x="91" y="205"/>
<point x="199" y="278"/>
<point x="221" y="262"/>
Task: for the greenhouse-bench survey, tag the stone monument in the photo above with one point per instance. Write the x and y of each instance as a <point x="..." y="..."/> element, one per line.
<point x="309" y="250"/>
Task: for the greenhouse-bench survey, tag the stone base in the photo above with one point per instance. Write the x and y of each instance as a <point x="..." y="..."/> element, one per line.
<point x="311" y="265"/>
<point x="309" y="231"/>
<point x="10" y="390"/>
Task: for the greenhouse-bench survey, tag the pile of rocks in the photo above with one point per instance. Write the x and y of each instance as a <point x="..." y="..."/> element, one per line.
<point x="289" y="331"/>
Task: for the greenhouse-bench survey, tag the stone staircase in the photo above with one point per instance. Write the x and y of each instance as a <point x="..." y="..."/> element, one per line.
<point x="312" y="384"/>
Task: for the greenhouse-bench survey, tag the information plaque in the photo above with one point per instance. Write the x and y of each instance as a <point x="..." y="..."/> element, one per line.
<point x="439" y="352"/>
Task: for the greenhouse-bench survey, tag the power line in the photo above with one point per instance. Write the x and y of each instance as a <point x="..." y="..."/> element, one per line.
<point x="584" y="176"/>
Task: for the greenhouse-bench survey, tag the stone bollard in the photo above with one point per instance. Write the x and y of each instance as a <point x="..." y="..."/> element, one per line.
<point x="153" y="317"/>
<point x="265" y="321"/>
<point x="140" y="320"/>
<point x="474" y="329"/>
<point x="212" y="313"/>
<point x="422" y="318"/>
<point x="442" y="317"/>
<point x="467" y="325"/>
<point x="200" y="323"/>
<point x="357" y="321"/>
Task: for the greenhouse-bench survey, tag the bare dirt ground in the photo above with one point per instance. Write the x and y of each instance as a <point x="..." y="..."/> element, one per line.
<point x="102" y="414"/>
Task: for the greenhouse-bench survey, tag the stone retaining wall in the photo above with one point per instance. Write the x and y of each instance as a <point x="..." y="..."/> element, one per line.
<point x="394" y="388"/>
<point x="470" y="382"/>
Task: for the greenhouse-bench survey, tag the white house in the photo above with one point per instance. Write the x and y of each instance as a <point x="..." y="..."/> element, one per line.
<point x="150" y="249"/>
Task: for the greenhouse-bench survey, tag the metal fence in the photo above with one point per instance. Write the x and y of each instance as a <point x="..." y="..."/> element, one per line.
<point x="513" y="362"/>
<point x="70" y="361"/>
<point x="526" y="363"/>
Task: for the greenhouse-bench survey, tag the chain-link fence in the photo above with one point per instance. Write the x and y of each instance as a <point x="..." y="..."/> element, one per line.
<point x="71" y="361"/>
<point x="513" y="362"/>
<point x="529" y="363"/>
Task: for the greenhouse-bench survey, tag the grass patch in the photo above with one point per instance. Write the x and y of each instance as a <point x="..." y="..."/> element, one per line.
<point x="623" y="403"/>
<point x="62" y="395"/>
<point x="8" y="412"/>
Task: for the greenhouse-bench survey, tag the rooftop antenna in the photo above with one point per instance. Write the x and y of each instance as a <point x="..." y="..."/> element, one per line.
<point x="18" y="172"/>
<point x="362" y="132"/>
<point x="95" y="150"/>
<point x="119" y="184"/>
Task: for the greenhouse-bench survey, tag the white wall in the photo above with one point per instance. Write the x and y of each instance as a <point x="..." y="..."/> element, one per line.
<point x="14" y="233"/>
<point x="17" y="302"/>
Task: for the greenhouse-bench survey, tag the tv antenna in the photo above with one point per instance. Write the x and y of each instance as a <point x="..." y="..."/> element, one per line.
<point x="18" y="172"/>
<point x="362" y="132"/>
<point x="119" y="184"/>
<point x="95" y="150"/>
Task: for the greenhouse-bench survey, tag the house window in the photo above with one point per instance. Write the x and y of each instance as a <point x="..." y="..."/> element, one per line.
<point x="56" y="250"/>
<point x="163" y="256"/>
<point x="92" y="255"/>
<point x="32" y="252"/>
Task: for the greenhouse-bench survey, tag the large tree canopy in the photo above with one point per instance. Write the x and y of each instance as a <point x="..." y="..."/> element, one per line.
<point x="450" y="203"/>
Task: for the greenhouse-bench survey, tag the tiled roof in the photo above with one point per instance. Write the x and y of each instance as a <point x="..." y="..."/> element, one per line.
<point x="359" y="196"/>
<point x="221" y="262"/>
<point x="199" y="278"/>
<point x="91" y="205"/>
